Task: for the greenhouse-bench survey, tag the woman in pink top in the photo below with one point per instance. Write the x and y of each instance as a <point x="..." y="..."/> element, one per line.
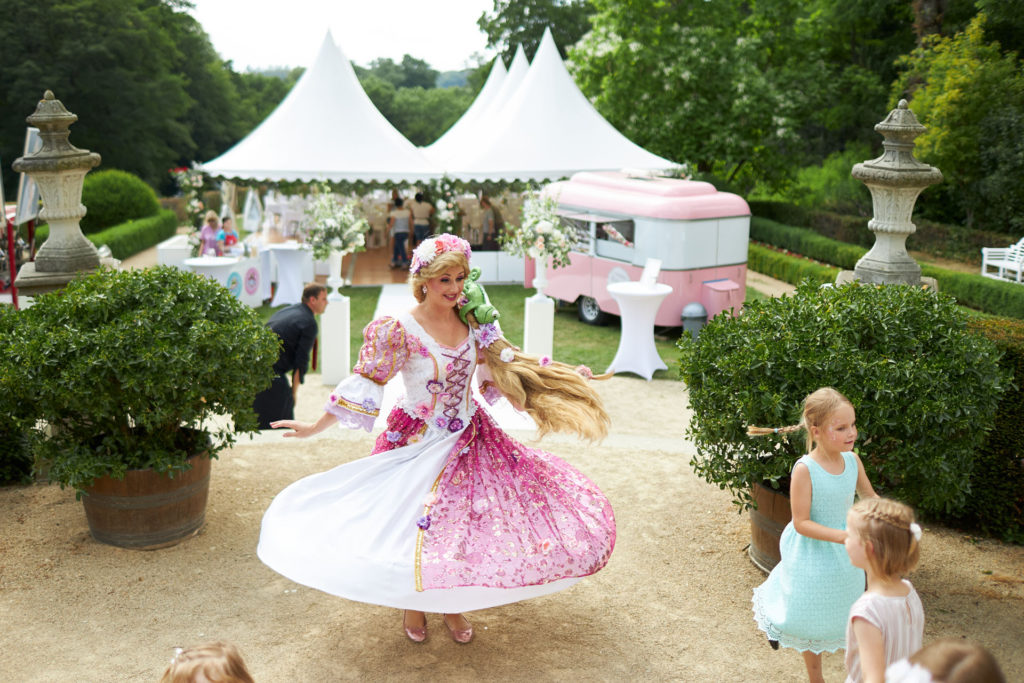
<point x="209" y="245"/>
<point x="886" y="623"/>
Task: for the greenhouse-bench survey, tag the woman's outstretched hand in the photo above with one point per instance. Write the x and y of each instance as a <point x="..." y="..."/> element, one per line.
<point x="299" y="429"/>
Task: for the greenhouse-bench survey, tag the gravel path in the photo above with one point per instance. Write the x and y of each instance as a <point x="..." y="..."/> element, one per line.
<point x="672" y="605"/>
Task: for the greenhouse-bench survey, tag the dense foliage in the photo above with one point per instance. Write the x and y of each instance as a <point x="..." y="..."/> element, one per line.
<point x="996" y="505"/>
<point x="924" y="387"/>
<point x="128" y="368"/>
<point x="15" y="454"/>
<point x="522" y="22"/>
<point x="112" y="197"/>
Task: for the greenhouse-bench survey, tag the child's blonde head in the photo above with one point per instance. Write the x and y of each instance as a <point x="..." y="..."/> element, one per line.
<point x="889" y="527"/>
<point x="818" y="407"/>
<point x="955" y="661"/>
<point x="215" y="662"/>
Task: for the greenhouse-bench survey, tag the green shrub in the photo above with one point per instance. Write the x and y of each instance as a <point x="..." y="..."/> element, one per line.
<point x="128" y="239"/>
<point x="15" y="454"/>
<point x="832" y="185"/>
<point x="806" y="242"/>
<point x="924" y="387"/>
<point x="786" y="267"/>
<point x="996" y="501"/>
<point x="128" y="368"/>
<point x="113" y="197"/>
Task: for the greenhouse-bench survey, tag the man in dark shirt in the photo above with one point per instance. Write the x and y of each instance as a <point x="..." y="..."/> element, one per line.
<point x="296" y="326"/>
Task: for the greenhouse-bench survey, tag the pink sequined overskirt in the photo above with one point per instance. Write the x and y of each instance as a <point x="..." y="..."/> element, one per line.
<point x="441" y="521"/>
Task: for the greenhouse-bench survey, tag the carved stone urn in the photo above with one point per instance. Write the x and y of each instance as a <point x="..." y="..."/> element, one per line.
<point x="895" y="179"/>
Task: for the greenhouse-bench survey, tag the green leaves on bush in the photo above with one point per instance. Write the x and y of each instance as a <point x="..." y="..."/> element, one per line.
<point x="112" y="197"/>
<point x="131" y="369"/>
<point x="924" y="388"/>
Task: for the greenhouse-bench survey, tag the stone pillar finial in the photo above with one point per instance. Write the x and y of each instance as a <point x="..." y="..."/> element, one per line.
<point x="895" y="179"/>
<point x="58" y="168"/>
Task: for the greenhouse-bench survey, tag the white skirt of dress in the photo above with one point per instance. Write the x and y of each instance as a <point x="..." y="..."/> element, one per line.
<point x="351" y="532"/>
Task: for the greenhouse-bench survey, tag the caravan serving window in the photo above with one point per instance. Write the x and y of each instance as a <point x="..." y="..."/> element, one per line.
<point x="621" y="231"/>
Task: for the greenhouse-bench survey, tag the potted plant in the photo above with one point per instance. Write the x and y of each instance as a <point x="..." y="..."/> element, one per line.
<point x="138" y="378"/>
<point x="924" y="388"/>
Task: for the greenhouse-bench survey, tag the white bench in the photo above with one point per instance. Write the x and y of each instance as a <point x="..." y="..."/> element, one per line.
<point x="1008" y="262"/>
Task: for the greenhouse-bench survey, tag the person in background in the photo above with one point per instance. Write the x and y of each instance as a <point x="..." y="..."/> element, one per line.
<point x="297" y="328"/>
<point x="490" y="224"/>
<point x="399" y="224"/>
<point x="227" y="235"/>
<point x="421" y="212"/>
<point x="209" y="244"/>
<point x="215" y="662"/>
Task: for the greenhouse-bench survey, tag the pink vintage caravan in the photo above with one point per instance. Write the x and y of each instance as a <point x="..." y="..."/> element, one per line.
<point x="699" y="234"/>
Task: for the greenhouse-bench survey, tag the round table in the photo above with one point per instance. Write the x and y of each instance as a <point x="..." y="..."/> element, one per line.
<point x="638" y="304"/>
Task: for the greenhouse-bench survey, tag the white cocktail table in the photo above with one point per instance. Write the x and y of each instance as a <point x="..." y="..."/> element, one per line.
<point x="638" y="304"/>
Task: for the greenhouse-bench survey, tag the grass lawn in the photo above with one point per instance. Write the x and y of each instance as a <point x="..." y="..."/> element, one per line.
<point x="575" y="341"/>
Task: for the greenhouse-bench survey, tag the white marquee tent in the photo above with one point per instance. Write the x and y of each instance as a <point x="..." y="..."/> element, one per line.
<point x="461" y="131"/>
<point x="546" y="130"/>
<point x="325" y="129"/>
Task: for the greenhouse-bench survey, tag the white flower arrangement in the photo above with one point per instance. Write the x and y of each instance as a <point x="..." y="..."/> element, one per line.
<point x="541" y="234"/>
<point x="190" y="181"/>
<point x="332" y="224"/>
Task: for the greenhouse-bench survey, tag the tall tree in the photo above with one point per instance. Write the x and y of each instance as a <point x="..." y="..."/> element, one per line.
<point x="112" y="64"/>
<point x="683" y="80"/>
<point x="969" y="93"/>
<point x="523" y="21"/>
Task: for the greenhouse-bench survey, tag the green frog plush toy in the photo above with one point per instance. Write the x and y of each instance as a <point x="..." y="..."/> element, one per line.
<point x="476" y="299"/>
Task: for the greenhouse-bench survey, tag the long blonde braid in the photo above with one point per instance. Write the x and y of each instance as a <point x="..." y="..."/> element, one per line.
<point x="818" y="406"/>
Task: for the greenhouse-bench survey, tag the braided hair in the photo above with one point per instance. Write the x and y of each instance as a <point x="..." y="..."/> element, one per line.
<point x="889" y="526"/>
<point x="818" y="407"/>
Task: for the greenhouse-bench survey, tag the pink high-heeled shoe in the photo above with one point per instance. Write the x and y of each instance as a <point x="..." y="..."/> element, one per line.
<point x="459" y="636"/>
<point x="418" y="634"/>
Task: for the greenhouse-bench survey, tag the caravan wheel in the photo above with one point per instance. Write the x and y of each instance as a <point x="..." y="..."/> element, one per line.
<point x="589" y="312"/>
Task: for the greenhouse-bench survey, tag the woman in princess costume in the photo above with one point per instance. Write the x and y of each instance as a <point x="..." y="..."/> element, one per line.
<point x="449" y="514"/>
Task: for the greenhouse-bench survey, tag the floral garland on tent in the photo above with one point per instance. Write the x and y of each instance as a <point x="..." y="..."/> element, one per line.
<point x="190" y="181"/>
<point x="541" y="233"/>
<point x="444" y="193"/>
<point x="332" y="224"/>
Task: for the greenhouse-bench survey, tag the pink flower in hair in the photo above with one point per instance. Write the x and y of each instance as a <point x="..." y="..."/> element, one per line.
<point x="544" y="361"/>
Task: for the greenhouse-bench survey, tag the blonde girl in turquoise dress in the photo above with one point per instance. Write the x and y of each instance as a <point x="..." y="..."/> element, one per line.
<point x="806" y="599"/>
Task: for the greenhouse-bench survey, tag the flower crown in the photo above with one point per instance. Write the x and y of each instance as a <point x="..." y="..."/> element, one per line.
<point x="429" y="249"/>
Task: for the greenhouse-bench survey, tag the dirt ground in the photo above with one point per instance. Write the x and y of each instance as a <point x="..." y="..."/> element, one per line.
<point x="673" y="604"/>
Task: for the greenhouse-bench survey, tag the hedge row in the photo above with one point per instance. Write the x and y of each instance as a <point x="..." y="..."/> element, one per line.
<point x="789" y="269"/>
<point x="936" y="239"/>
<point x="982" y="293"/>
<point x="128" y="239"/>
<point x="996" y="502"/>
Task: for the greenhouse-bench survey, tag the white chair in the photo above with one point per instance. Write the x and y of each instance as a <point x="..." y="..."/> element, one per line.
<point x="1008" y="262"/>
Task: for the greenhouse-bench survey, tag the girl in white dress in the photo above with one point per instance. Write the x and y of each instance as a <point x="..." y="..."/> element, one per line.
<point x="886" y="623"/>
<point x="449" y="514"/>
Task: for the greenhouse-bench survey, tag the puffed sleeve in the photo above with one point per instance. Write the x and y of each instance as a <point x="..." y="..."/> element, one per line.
<point x="356" y="400"/>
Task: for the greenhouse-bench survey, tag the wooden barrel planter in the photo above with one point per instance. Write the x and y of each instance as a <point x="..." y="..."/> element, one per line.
<point x="146" y="510"/>
<point x="766" y="524"/>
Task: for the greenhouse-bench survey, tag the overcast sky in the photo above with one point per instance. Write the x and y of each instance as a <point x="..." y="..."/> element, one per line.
<point x="267" y="33"/>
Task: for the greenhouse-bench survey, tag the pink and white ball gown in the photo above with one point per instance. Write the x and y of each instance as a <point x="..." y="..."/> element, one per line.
<point x="449" y="513"/>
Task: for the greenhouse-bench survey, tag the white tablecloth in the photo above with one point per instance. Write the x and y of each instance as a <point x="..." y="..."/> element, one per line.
<point x="294" y="269"/>
<point x="638" y="305"/>
<point x="242" y="277"/>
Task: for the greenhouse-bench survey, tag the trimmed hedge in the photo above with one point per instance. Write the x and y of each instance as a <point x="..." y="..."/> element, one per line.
<point x="996" y="502"/>
<point x="936" y="239"/>
<point x="132" y="237"/>
<point x="982" y="293"/>
<point x="789" y="269"/>
<point x="114" y="197"/>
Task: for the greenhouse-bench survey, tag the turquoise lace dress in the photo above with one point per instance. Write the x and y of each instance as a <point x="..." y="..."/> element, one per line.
<point x="805" y="602"/>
